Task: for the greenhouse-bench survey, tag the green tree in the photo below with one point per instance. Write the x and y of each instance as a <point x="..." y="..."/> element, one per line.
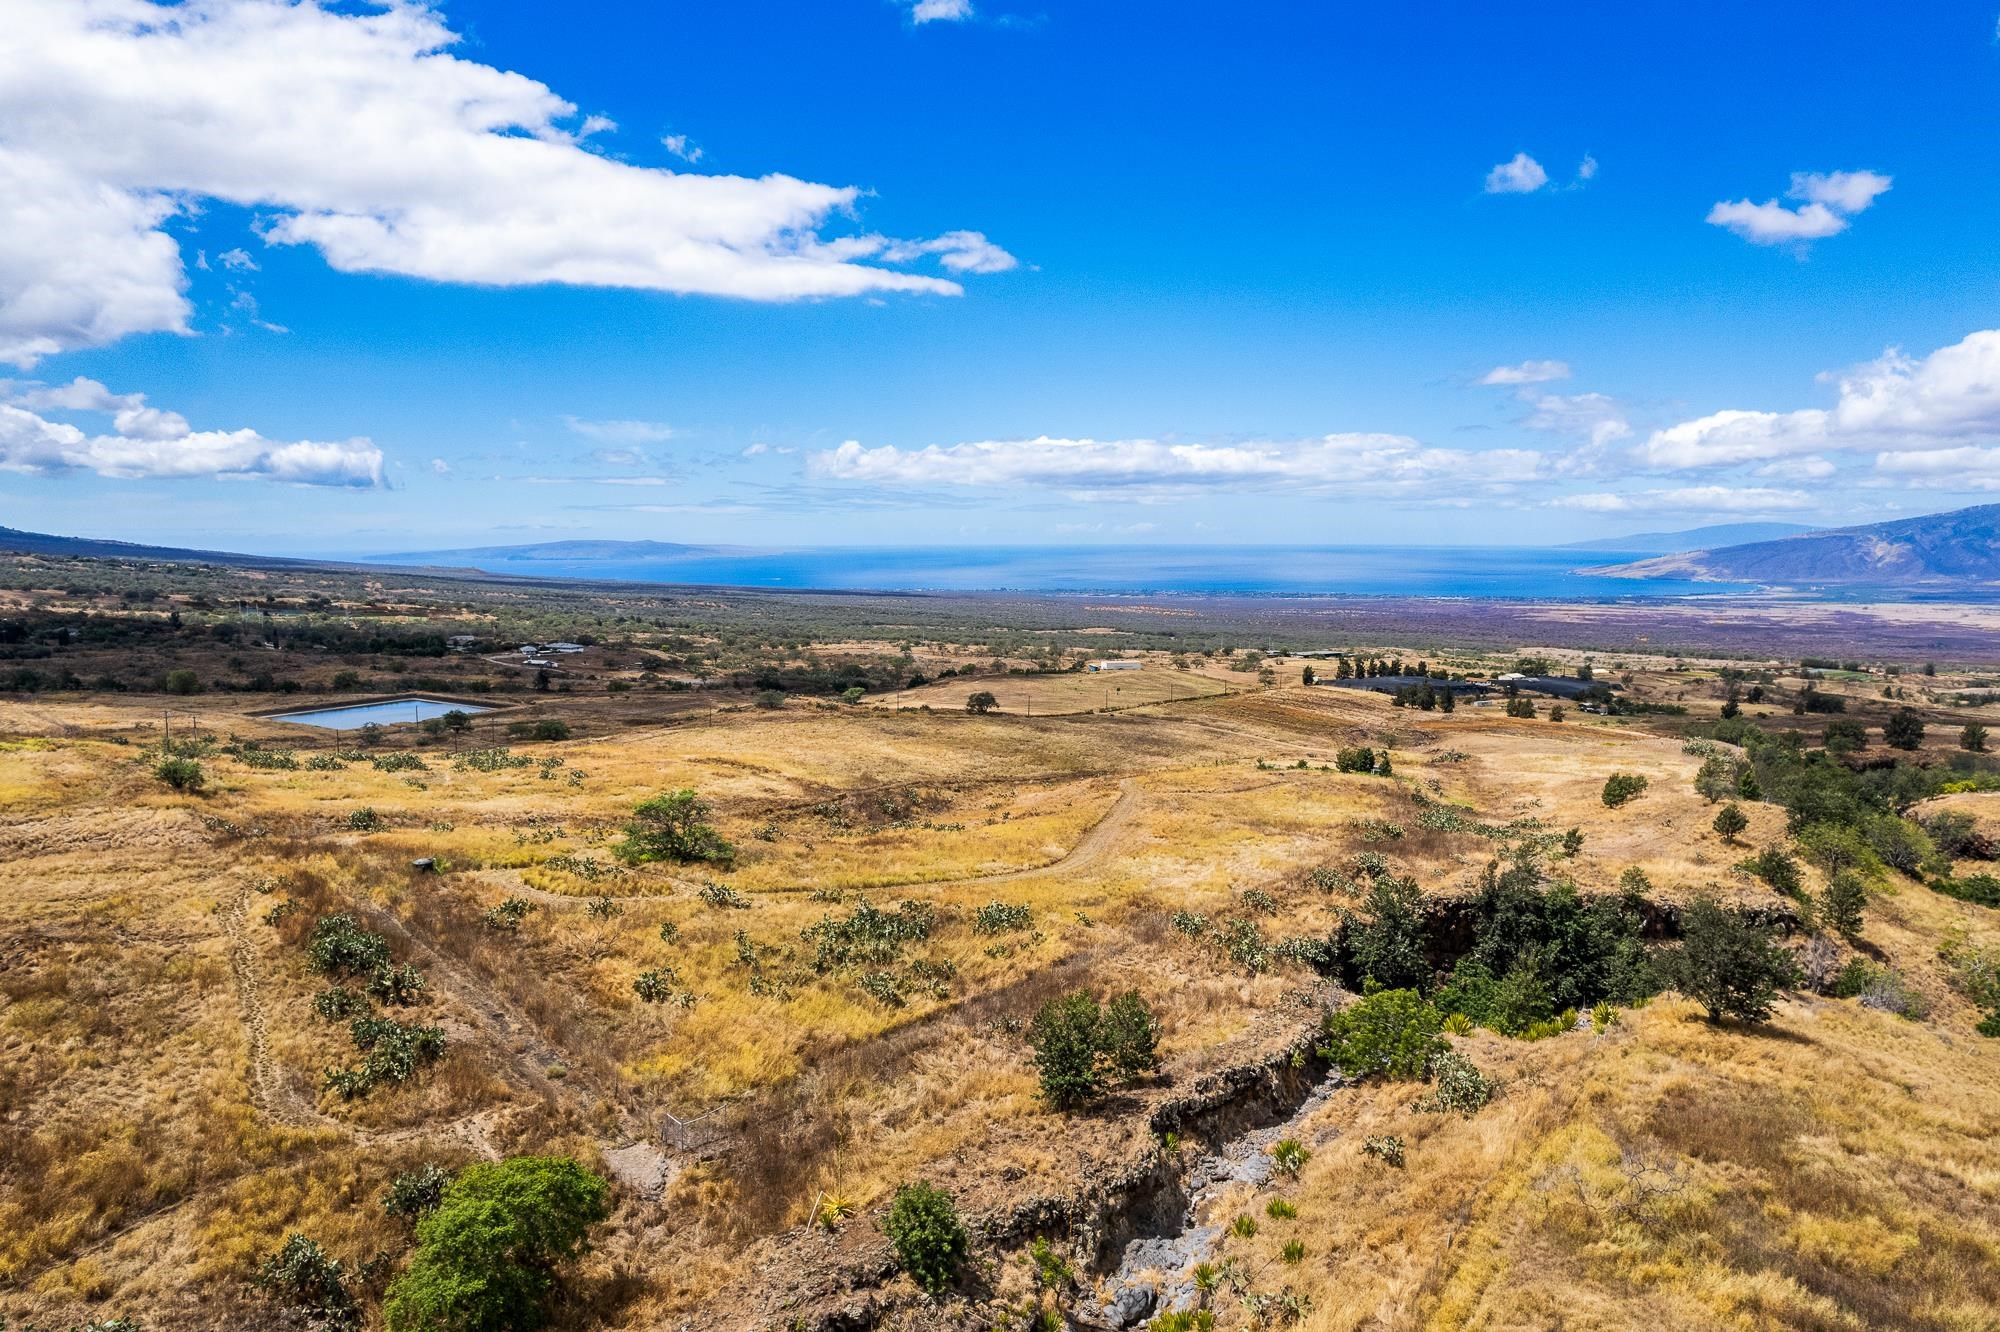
<point x="674" y="827"/>
<point x="1729" y="965"/>
<point x="1716" y="778"/>
<point x="1621" y="787"/>
<point x="1730" y="821"/>
<point x="981" y="702"/>
<point x="487" y="1256"/>
<point x="1904" y="729"/>
<point x="1080" y="1046"/>
<point x="1973" y="738"/>
<point x="1391" y="1033"/>
<point x="929" y="1239"/>
<point x="183" y="682"/>
<point x="1747" y="785"/>
<point x="1843" y="902"/>
<point x="1386" y="945"/>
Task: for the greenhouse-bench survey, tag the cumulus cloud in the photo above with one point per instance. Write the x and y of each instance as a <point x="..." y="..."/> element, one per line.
<point x="1376" y="464"/>
<point x="620" y="432"/>
<point x="1520" y="174"/>
<point x="940" y="11"/>
<point x="1527" y="372"/>
<point x="1894" y="403"/>
<point x="357" y="133"/>
<point x="1827" y="202"/>
<point x="681" y="146"/>
<point x="146" y="442"/>
<point x="1689" y="499"/>
<point x="1967" y="467"/>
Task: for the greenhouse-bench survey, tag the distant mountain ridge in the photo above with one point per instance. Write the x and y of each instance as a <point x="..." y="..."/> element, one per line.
<point x="1962" y="546"/>
<point x="1694" y="538"/>
<point x="43" y="543"/>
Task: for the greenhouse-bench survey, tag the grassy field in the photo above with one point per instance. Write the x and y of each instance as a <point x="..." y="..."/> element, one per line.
<point x="163" y="1062"/>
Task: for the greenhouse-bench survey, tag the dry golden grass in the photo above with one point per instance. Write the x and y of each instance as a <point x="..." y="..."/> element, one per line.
<point x="173" y="1139"/>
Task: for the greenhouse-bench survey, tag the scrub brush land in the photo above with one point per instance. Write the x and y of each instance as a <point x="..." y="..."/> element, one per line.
<point x="791" y="962"/>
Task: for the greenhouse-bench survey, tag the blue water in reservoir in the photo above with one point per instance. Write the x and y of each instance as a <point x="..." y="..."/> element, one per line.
<point x="1409" y="571"/>
<point x="357" y="715"/>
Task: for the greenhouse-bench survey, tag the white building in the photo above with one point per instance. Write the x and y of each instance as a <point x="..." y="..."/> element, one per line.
<point x="1115" y="665"/>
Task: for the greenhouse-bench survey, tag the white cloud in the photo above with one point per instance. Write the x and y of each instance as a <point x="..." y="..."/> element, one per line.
<point x="757" y="450"/>
<point x="147" y="442"/>
<point x="940" y="11"/>
<point x="1828" y="201"/>
<point x="1349" y="463"/>
<point x="358" y="133"/>
<point x="1521" y="174"/>
<point x="1967" y="467"/>
<point x="1847" y="192"/>
<point x="441" y="467"/>
<point x="681" y="146"/>
<point x="238" y="261"/>
<point x="1812" y="467"/>
<point x="620" y="432"/>
<point x="1527" y="372"/>
<point x="1689" y="499"/>
<point x="960" y="251"/>
<point x="1895" y="401"/>
<point x="1594" y="417"/>
<point x="1587" y="168"/>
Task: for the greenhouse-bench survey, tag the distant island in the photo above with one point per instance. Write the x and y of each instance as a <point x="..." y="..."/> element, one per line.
<point x="561" y="552"/>
<point x="1960" y="549"/>
<point x="1694" y="538"/>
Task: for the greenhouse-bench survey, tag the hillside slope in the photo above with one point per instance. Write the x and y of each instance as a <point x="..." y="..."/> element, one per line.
<point x="1958" y="547"/>
<point x="1693" y="538"/>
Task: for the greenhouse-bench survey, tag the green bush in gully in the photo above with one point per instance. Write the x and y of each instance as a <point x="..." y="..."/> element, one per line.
<point x="929" y="1239"/>
<point x="489" y="1254"/>
<point x="1080" y="1047"/>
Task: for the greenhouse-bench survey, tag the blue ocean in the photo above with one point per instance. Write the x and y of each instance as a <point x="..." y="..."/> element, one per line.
<point x="1394" y="571"/>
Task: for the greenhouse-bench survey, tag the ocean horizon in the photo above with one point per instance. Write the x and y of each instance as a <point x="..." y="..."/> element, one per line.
<point x="1468" y="572"/>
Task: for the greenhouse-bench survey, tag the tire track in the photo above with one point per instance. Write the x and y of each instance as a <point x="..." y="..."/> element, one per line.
<point x="270" y="1091"/>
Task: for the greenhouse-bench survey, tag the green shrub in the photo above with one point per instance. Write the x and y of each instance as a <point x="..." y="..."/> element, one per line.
<point x="364" y="819"/>
<point x="1002" y="917"/>
<point x="1457" y="1087"/>
<point x="308" y="1284"/>
<point x="1726" y="963"/>
<point x="673" y="827"/>
<point x="508" y="915"/>
<point x="1730" y="821"/>
<point x="1980" y="889"/>
<point x="1289" y="1156"/>
<point x="1386" y="1148"/>
<point x="337" y="1003"/>
<point x="487" y="1257"/>
<point x="1389" y="1033"/>
<point x="545" y="728"/>
<point x="1777" y="867"/>
<point x="1079" y="1046"/>
<point x="396" y="986"/>
<point x="1280" y="1210"/>
<point x="1621" y="787"/>
<point x="338" y="946"/>
<point x="182" y="774"/>
<point x="929" y="1239"/>
<point x="415" y="1194"/>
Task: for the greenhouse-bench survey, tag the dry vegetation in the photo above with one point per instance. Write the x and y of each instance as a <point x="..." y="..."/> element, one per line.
<point x="161" y="1059"/>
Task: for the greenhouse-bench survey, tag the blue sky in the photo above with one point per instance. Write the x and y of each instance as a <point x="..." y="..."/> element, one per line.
<point x="360" y="278"/>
